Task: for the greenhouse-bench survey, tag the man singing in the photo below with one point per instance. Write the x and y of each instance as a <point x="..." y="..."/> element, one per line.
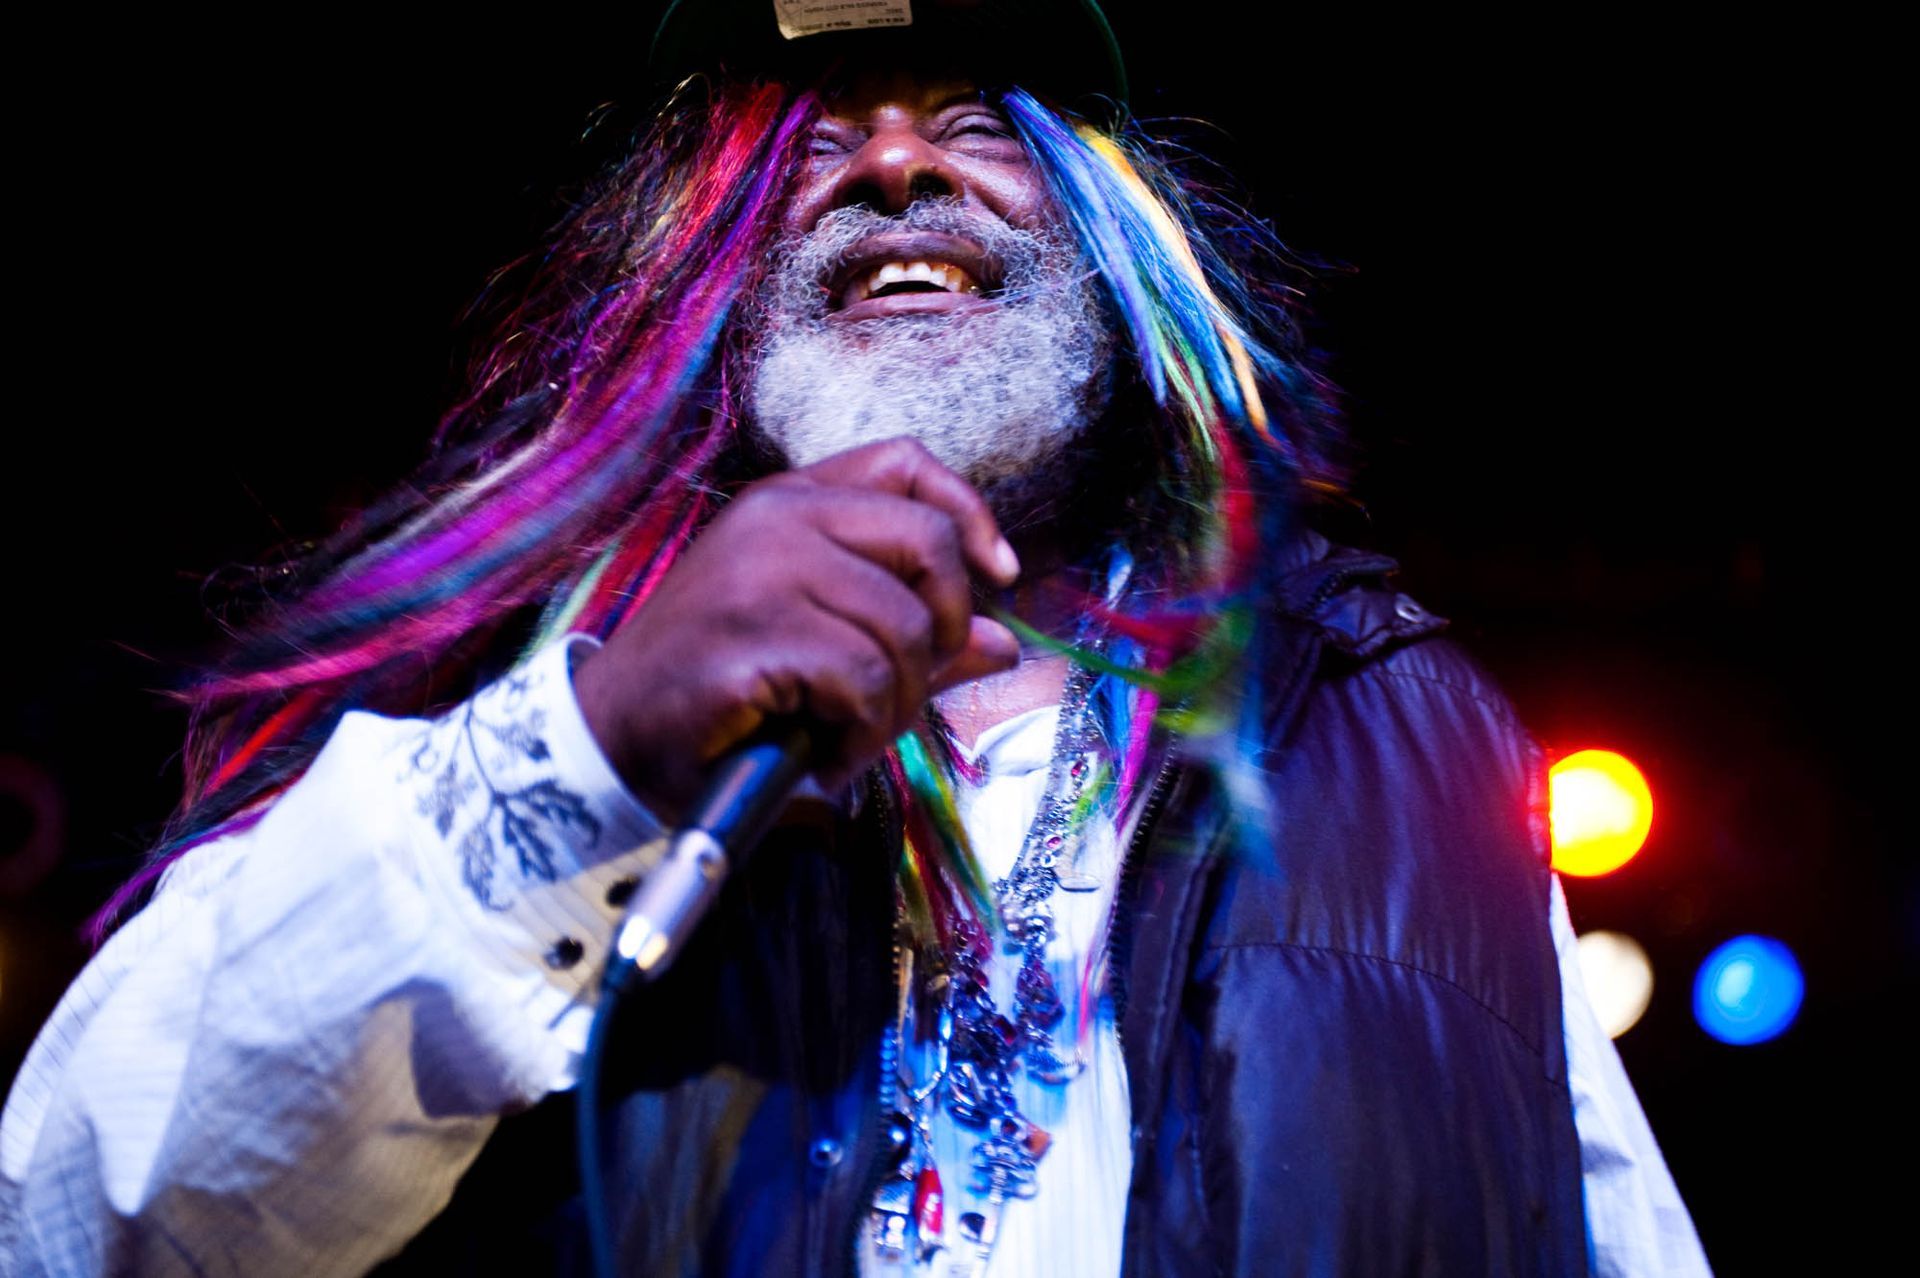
<point x="1166" y="898"/>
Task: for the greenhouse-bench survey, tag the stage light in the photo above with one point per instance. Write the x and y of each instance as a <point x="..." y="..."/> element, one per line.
<point x="1748" y="990"/>
<point x="1618" y="977"/>
<point x="1600" y="809"/>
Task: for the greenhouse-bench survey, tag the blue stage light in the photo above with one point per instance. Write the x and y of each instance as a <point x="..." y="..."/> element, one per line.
<point x="1748" y="990"/>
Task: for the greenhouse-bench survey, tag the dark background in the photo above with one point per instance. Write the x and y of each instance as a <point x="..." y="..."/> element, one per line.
<point x="1602" y="314"/>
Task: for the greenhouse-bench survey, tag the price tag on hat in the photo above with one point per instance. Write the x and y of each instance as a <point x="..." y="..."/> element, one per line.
<point x="812" y="17"/>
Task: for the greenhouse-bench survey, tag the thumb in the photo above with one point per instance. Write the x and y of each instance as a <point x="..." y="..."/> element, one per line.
<point x="991" y="648"/>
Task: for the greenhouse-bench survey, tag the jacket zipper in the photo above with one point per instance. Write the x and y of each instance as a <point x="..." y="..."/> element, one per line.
<point x="1129" y="869"/>
<point x="1329" y="586"/>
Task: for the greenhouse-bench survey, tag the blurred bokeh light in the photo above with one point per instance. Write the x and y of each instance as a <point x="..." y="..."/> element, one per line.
<point x="1618" y="977"/>
<point x="1748" y="990"/>
<point x="1601" y="811"/>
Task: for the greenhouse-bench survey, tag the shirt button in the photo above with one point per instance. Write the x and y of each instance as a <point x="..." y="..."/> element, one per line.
<point x="825" y="1153"/>
<point x="620" y="891"/>
<point x="1407" y="610"/>
<point x="565" y="953"/>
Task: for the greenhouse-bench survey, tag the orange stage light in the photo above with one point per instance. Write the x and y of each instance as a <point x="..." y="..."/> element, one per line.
<point x="1601" y="810"/>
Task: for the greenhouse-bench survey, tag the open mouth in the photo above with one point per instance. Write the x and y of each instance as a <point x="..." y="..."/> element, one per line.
<point x="914" y="273"/>
<point x="898" y="278"/>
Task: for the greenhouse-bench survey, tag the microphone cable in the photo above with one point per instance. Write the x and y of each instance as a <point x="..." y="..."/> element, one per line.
<point x="745" y="792"/>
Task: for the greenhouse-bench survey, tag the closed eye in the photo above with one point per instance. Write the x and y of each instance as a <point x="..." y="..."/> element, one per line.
<point x="826" y="139"/>
<point x="981" y="125"/>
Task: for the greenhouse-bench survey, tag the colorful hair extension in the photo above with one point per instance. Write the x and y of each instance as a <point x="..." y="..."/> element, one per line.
<point x="1191" y="318"/>
<point x="584" y="459"/>
<point x="590" y="507"/>
<point x="1184" y="664"/>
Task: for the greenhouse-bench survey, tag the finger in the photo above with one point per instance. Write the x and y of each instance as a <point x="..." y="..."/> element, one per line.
<point x="914" y="542"/>
<point x="889" y="614"/>
<point x="846" y="684"/>
<point x="990" y="649"/>
<point x="905" y="467"/>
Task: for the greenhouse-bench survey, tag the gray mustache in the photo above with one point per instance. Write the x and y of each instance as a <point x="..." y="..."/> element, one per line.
<point x="803" y="263"/>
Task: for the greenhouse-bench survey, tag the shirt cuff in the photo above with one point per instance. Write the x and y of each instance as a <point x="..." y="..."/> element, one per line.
<point x="530" y="833"/>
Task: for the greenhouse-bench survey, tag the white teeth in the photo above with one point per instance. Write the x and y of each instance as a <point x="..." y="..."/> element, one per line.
<point x="942" y="275"/>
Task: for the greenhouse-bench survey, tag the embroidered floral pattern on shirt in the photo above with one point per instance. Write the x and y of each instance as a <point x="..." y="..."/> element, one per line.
<point x="494" y="746"/>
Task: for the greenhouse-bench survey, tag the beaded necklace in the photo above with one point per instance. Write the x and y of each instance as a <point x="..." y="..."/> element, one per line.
<point x="978" y="1049"/>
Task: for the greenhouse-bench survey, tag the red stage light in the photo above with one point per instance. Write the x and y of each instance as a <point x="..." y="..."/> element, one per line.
<point x="1601" y="810"/>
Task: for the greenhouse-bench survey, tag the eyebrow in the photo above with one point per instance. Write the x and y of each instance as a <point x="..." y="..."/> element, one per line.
<point x="977" y="97"/>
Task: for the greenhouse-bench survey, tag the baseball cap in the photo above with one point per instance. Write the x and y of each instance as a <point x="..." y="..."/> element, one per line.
<point x="1063" y="47"/>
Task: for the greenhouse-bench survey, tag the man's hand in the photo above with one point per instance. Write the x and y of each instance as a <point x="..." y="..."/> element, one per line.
<point x="840" y="591"/>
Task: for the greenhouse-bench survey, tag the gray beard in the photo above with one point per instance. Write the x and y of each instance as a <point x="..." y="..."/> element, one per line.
<point x="999" y="394"/>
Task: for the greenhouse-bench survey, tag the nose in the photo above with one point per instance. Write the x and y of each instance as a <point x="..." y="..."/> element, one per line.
<point x="893" y="168"/>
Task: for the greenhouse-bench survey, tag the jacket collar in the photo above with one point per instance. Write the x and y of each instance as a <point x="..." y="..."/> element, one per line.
<point x="1348" y="596"/>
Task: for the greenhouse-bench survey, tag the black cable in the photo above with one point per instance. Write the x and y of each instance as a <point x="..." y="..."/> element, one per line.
<point x="743" y="794"/>
<point x="587" y="1138"/>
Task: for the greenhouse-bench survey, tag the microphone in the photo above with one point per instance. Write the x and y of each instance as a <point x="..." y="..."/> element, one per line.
<point x="745" y="791"/>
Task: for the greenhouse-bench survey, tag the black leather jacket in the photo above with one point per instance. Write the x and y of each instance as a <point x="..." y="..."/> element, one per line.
<point x="1345" y="1061"/>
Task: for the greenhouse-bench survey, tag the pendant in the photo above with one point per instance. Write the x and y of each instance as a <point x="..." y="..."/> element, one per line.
<point x="1046" y="1065"/>
<point x="890" y="1219"/>
<point x="929" y="1214"/>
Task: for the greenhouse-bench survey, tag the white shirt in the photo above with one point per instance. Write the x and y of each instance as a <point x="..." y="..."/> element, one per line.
<point x="285" y="1063"/>
<point x="1072" y="1226"/>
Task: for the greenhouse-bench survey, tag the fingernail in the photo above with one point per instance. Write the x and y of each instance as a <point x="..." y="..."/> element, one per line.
<point x="1006" y="560"/>
<point x="996" y="640"/>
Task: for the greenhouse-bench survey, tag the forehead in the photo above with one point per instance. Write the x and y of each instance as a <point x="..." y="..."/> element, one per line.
<point x="859" y="92"/>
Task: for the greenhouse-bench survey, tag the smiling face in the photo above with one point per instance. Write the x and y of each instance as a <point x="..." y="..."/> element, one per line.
<point x="890" y="138"/>
<point x="924" y="288"/>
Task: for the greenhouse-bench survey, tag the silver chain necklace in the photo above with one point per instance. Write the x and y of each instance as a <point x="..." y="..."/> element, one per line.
<point x="980" y="1049"/>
